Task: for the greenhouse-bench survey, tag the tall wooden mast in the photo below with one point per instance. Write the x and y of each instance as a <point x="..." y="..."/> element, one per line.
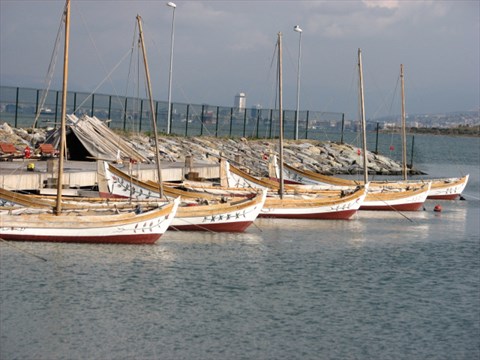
<point x="404" y="125"/>
<point x="152" y="107"/>
<point x="63" y="139"/>
<point x="362" y="117"/>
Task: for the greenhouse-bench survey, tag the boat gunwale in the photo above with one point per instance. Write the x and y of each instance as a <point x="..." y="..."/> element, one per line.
<point x="79" y="221"/>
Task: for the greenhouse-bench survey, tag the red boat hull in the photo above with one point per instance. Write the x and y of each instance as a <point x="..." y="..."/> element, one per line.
<point x="226" y="227"/>
<point x="126" y="239"/>
<point x="444" y="197"/>
<point x="337" y="215"/>
<point x="107" y="195"/>
<point x="400" y="207"/>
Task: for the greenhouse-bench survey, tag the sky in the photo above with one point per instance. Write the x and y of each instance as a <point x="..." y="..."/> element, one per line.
<point x="225" y="47"/>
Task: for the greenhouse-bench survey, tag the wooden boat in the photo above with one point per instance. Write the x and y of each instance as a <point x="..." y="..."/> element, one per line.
<point x="280" y="202"/>
<point x="302" y="206"/>
<point x="198" y="211"/>
<point x="285" y="202"/>
<point x="441" y="188"/>
<point x="382" y="195"/>
<point x="92" y="225"/>
<point x="123" y="228"/>
<point x="299" y="202"/>
<point x="32" y="218"/>
<point x="447" y="188"/>
<point x="396" y="196"/>
<point x="233" y="216"/>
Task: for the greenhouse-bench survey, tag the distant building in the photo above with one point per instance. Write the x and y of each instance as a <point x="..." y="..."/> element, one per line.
<point x="256" y="110"/>
<point x="240" y="102"/>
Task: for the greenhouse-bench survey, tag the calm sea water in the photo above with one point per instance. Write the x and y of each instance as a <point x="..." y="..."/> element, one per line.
<point x="380" y="286"/>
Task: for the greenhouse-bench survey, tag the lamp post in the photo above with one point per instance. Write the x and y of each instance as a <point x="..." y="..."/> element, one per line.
<point x="297" y="28"/>
<point x="169" y="110"/>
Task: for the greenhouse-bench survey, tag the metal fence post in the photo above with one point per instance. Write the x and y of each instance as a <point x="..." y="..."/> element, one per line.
<point x="343" y="127"/>
<point x="306" y="126"/>
<point x="271" y="121"/>
<point x="186" y="120"/>
<point x="109" y="109"/>
<point x="56" y="109"/>
<point x="411" y="155"/>
<point x="141" y="116"/>
<point x="156" y="111"/>
<point x="244" y="121"/>
<point x="258" y="120"/>
<point x="125" y="115"/>
<point x="93" y="105"/>
<point x="231" y="120"/>
<point x="36" y="103"/>
<point x="202" y="120"/>
<point x="216" y="122"/>
<point x="16" y="106"/>
<point x="74" y="102"/>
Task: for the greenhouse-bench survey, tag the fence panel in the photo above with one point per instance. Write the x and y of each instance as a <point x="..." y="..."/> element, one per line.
<point x="18" y="107"/>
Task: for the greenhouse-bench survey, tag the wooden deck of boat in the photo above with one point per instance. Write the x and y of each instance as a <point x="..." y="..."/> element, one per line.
<point x="82" y="174"/>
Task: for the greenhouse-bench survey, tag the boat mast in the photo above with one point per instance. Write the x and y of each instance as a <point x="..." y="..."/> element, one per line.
<point x="280" y="110"/>
<point x="152" y="108"/>
<point x="362" y="115"/>
<point x="404" y="125"/>
<point x="63" y="141"/>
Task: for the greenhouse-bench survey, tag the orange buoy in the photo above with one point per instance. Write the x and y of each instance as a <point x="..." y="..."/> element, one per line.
<point x="437" y="208"/>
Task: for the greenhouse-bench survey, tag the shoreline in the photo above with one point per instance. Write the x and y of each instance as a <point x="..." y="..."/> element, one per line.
<point x="459" y="131"/>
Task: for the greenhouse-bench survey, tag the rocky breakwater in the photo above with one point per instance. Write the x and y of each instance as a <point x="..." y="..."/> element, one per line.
<point x="320" y="156"/>
<point x="324" y="157"/>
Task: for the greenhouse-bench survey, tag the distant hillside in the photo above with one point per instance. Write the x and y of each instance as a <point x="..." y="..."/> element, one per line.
<point x="460" y="119"/>
<point x="464" y="130"/>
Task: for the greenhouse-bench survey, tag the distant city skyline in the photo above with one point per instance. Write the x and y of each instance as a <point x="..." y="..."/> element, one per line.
<point x="223" y="48"/>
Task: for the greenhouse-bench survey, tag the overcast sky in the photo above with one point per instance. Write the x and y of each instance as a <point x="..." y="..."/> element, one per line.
<point x="226" y="47"/>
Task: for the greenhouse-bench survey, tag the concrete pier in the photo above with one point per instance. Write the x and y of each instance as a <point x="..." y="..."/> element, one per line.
<point x="83" y="174"/>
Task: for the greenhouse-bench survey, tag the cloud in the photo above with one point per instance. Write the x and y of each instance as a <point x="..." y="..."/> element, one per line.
<point x="368" y="18"/>
<point x="389" y="4"/>
<point x="226" y="46"/>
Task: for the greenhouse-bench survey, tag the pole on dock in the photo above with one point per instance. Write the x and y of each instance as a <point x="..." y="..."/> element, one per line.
<point x="411" y="154"/>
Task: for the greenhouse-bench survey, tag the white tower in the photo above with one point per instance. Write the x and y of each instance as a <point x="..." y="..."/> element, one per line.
<point x="240" y="102"/>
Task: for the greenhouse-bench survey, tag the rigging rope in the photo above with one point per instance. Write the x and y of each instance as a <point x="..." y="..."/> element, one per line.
<point x="102" y="82"/>
<point x="394" y="96"/>
<point x="99" y="59"/>
<point x="51" y="69"/>
<point x="134" y="41"/>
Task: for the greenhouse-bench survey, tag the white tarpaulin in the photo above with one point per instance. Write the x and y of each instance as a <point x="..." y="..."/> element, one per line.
<point x="99" y="141"/>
